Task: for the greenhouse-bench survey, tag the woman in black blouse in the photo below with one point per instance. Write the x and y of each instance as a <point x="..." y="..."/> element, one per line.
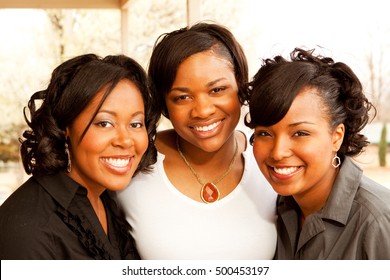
<point x="93" y="131"/>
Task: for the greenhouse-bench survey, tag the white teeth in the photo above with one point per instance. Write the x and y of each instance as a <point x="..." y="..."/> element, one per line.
<point x="286" y="170"/>
<point x="117" y="161"/>
<point x="207" y="128"/>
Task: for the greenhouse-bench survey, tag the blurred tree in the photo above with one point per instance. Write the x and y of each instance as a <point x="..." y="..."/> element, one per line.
<point x="149" y="19"/>
<point x="45" y="38"/>
<point x="9" y="143"/>
<point x="382" y="151"/>
<point x="76" y="32"/>
<point x="378" y="74"/>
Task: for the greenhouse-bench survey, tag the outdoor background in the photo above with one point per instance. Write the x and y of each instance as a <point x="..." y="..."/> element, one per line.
<point x="34" y="42"/>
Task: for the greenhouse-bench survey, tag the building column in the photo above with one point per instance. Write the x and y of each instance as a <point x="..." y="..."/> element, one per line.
<point x="124" y="8"/>
<point x="193" y="11"/>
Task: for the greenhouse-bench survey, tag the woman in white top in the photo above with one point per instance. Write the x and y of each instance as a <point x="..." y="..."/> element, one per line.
<point x="205" y="198"/>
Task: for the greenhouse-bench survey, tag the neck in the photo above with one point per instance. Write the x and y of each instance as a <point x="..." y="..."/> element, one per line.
<point x="209" y="190"/>
<point x="315" y="198"/>
<point x="198" y="156"/>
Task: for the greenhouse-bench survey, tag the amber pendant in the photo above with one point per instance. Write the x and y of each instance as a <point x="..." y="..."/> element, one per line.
<point x="209" y="193"/>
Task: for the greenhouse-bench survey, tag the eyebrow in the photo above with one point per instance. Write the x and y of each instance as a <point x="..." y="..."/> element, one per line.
<point x="114" y="113"/>
<point x="185" y="89"/>
<point x="301" y="122"/>
<point x="215" y="81"/>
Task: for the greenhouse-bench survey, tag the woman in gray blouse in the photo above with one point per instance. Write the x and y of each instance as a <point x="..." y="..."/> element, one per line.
<point x="307" y="113"/>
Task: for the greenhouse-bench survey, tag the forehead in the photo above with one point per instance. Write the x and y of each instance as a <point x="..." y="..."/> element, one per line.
<point x="209" y="55"/>
<point x="124" y="93"/>
<point x="308" y="95"/>
<point x="202" y="62"/>
<point x="307" y="104"/>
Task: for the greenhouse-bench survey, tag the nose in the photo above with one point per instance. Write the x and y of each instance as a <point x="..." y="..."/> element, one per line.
<point x="123" y="138"/>
<point x="203" y="107"/>
<point x="281" y="149"/>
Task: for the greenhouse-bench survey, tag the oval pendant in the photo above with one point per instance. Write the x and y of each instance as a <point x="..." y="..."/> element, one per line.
<point x="209" y="193"/>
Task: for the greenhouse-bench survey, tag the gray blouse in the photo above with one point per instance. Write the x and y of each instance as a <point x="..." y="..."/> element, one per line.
<point x="353" y="224"/>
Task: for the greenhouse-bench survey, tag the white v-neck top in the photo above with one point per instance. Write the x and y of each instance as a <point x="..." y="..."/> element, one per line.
<point x="169" y="225"/>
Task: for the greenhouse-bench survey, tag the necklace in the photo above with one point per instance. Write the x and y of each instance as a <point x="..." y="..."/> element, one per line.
<point x="209" y="191"/>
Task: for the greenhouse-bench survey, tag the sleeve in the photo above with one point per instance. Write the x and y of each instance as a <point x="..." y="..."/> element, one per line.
<point x="377" y="241"/>
<point x="22" y="240"/>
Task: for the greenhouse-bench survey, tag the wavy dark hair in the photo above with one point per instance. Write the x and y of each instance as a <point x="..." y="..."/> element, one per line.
<point x="73" y="85"/>
<point x="279" y="81"/>
<point x="171" y="49"/>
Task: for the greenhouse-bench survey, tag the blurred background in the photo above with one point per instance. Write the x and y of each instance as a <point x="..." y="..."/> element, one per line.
<point x="36" y="37"/>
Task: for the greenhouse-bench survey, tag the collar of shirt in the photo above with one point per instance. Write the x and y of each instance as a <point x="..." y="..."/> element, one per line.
<point x="61" y="187"/>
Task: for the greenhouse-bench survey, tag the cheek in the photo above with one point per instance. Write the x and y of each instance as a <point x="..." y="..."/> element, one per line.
<point x="259" y="153"/>
<point x="91" y="145"/>
<point x="232" y="104"/>
<point x="141" y="142"/>
<point x="97" y="139"/>
<point x="177" y="113"/>
<point x="317" y="158"/>
<point x="315" y="150"/>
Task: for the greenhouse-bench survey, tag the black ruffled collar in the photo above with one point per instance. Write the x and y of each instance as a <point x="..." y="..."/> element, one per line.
<point x="81" y="229"/>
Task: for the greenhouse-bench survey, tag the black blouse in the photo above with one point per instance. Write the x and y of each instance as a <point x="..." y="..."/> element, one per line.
<point x="50" y="217"/>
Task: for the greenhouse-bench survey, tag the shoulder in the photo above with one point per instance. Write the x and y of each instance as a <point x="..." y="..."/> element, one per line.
<point x="27" y="241"/>
<point x="24" y="200"/>
<point x="253" y="180"/>
<point x="143" y="186"/>
<point x="32" y="194"/>
<point x="23" y="222"/>
<point x="374" y="197"/>
<point x="166" y="141"/>
<point x="374" y="201"/>
<point x="360" y="192"/>
<point x="27" y="209"/>
<point x="242" y="140"/>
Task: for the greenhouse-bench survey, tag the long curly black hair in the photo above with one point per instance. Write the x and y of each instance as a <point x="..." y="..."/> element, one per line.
<point x="73" y="85"/>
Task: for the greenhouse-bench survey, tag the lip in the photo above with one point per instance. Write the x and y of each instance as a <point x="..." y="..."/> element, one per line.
<point x="284" y="172"/>
<point x="119" y="165"/>
<point x="204" y="130"/>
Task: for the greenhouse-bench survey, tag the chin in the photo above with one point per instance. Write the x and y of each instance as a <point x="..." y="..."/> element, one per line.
<point x="282" y="190"/>
<point x="118" y="184"/>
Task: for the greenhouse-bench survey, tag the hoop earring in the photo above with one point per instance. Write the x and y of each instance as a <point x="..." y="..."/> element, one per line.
<point x="336" y="161"/>
<point x="69" y="165"/>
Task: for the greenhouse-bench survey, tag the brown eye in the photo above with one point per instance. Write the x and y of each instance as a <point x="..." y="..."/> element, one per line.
<point x="218" y="89"/>
<point x="104" y="124"/>
<point x="137" y="125"/>
<point x="301" y="133"/>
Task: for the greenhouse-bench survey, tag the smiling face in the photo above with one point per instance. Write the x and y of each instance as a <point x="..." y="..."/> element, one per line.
<point x="203" y="102"/>
<point x="109" y="153"/>
<point x="295" y="154"/>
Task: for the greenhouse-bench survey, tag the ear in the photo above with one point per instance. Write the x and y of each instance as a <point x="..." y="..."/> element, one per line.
<point x="67" y="132"/>
<point x="338" y="136"/>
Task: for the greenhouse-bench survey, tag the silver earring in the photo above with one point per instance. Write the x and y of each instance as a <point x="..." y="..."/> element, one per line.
<point x="69" y="166"/>
<point x="336" y="161"/>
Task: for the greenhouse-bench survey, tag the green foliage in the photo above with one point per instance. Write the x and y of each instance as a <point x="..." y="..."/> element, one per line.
<point x="383" y="147"/>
